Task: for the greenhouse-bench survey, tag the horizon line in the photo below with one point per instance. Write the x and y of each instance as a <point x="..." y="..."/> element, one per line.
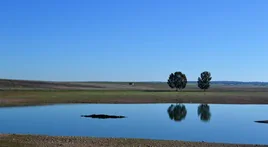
<point x="127" y="81"/>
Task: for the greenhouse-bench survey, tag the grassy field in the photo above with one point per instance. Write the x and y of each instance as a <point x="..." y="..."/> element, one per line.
<point x="51" y="141"/>
<point x="40" y="97"/>
<point x="24" y="93"/>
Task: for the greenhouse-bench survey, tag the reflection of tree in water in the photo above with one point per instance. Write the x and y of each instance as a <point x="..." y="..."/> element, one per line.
<point x="177" y="112"/>
<point x="204" y="112"/>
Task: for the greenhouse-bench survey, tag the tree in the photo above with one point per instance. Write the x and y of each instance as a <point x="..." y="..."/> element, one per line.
<point x="177" y="80"/>
<point x="204" y="80"/>
<point x="203" y="112"/>
<point x="177" y="112"/>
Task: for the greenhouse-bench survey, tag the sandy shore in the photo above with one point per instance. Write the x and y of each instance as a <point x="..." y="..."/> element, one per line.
<point x="51" y="141"/>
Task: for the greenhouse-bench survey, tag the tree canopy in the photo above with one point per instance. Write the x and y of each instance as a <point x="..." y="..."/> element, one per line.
<point x="177" y="80"/>
<point x="204" y="80"/>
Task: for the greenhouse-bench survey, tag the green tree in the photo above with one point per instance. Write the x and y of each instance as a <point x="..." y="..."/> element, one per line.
<point x="177" y="112"/>
<point x="204" y="80"/>
<point x="203" y="112"/>
<point x="177" y="80"/>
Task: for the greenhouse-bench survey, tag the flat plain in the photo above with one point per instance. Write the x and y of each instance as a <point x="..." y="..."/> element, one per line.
<point x="26" y="93"/>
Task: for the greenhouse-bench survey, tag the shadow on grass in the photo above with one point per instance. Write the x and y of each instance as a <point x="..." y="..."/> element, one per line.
<point x="158" y="91"/>
<point x="186" y="90"/>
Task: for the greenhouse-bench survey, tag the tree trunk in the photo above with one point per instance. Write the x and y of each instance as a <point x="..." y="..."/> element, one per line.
<point x="176" y="89"/>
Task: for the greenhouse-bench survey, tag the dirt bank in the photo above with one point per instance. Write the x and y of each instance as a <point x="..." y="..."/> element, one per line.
<point x="44" y="141"/>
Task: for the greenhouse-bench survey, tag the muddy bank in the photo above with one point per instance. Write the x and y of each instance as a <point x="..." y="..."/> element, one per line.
<point x="44" y="141"/>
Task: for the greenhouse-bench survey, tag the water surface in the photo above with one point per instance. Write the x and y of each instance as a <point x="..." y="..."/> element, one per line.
<point x="189" y="122"/>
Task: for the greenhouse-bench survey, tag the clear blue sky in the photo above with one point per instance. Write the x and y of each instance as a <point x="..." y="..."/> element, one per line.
<point x="133" y="40"/>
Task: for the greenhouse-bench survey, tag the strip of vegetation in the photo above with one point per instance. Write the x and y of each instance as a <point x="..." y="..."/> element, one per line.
<point x="30" y="98"/>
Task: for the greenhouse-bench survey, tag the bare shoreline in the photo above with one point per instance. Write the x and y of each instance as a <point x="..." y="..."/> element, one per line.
<point x="13" y="140"/>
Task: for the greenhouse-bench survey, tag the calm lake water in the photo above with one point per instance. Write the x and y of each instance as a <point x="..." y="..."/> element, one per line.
<point x="188" y="122"/>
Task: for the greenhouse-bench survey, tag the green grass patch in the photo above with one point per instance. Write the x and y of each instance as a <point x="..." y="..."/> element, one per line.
<point x="41" y="97"/>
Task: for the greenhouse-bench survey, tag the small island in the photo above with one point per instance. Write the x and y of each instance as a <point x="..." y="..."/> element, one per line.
<point x="103" y="116"/>
<point x="262" y="121"/>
